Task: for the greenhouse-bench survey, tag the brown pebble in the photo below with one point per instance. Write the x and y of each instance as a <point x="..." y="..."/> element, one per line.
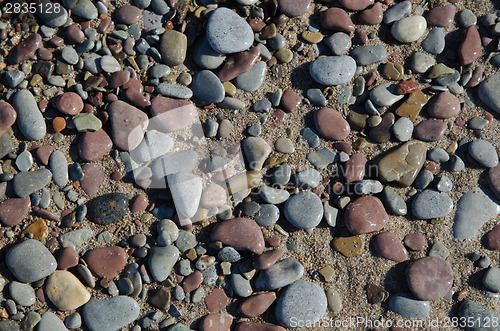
<point x="216" y="322"/>
<point x="74" y="34"/>
<point x="267" y="259"/>
<point x="216" y="300"/>
<point x="444" y="105"/>
<point x="491" y="240"/>
<point x="67" y="258"/>
<point x="494" y="180"/>
<point x="294" y="8"/>
<point x="290" y="101"/>
<point x="118" y="78"/>
<point x="240" y="233"/>
<point x="175" y="114"/>
<point x="59" y="124"/>
<point x="382" y="132"/>
<point x="14" y="210"/>
<point x="273" y="241"/>
<point x="106" y="261"/>
<point x="441" y="16"/>
<point x="139" y="204"/>
<point x="331" y="124"/>
<point x="372" y="15"/>
<point x="94" y="145"/>
<point x="128" y="14"/>
<point x="470" y="48"/>
<point x="365" y="215"/>
<point x="238" y="64"/>
<point x="390" y="247"/>
<point x="192" y="282"/>
<point x="257" y="304"/>
<point x="430" y="130"/>
<point x="94" y="178"/>
<point x="355" y="168"/>
<point x="348" y="246"/>
<point x="336" y="19"/>
<point x="355" y="5"/>
<point x="406" y="87"/>
<point x="477" y="77"/>
<point x="26" y="49"/>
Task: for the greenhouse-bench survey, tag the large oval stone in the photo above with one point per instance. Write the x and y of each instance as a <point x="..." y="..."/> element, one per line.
<point x="128" y="125"/>
<point x="228" y="32"/>
<point x="240" y="233"/>
<point x="106" y="261"/>
<point x="331" y="124"/>
<point x="173" y="47"/>
<point x="365" y="215"/>
<point x="65" y="290"/>
<point x="488" y="92"/>
<point x="30" y="261"/>
<point x="429" y="278"/>
<point x="110" y="314"/>
<point x="333" y="70"/>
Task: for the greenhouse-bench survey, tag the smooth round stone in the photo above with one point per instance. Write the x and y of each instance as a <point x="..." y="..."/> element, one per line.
<point x="491" y="239"/>
<point x="257" y="304"/>
<point x="337" y="19"/>
<point x="369" y="54"/>
<point x="397" y="12"/>
<point x="444" y="105"/>
<point x="30" y="261"/>
<point x="384" y="95"/>
<point x="94" y="145"/>
<point x="301" y="301"/>
<point x="316" y="97"/>
<point x="304" y="210"/>
<point x="424" y="179"/>
<point x="470" y="48"/>
<point x="273" y="195"/>
<point x="354" y="168"/>
<point x="422" y="62"/>
<point x="69" y="103"/>
<point x="26" y="49"/>
<point x="430" y="130"/>
<point x="106" y="261"/>
<point x="109" y="64"/>
<point x="14" y="210"/>
<point x="110" y="314"/>
<point x="309" y="178"/>
<point x="128" y="125"/>
<point x="431" y="204"/>
<point x="478" y="123"/>
<point x="8" y="117"/>
<point x="339" y="43"/>
<point x="59" y="167"/>
<point x="108" y="209"/>
<point x="228" y="254"/>
<point x="467" y="18"/>
<point x="441" y="15"/>
<point x="409" y="29"/>
<point x="205" y="56"/>
<point x="473" y="210"/>
<point x="393" y="202"/>
<point x="390" y="247"/>
<point x="14" y="77"/>
<point x="128" y="14"/>
<point x="173" y="47"/>
<point x="434" y="43"/>
<point x="333" y="70"/>
<point x="469" y="310"/>
<point x="491" y="280"/>
<point x="331" y="124"/>
<point x="228" y="32"/>
<point x="293" y="8"/>
<point x="207" y="87"/>
<point x="186" y="189"/>
<point x="365" y="215"/>
<point x="408" y="306"/>
<point x="494" y="180"/>
<point x="28" y="182"/>
<point x="24" y="161"/>
<point x="488" y="92"/>
<point x="251" y="80"/>
<point x="162" y="260"/>
<point x="22" y="294"/>
<point x="280" y="274"/>
<point x="438" y="155"/>
<point x="429" y="278"/>
<point x="50" y="322"/>
<point x="256" y="151"/>
<point x="268" y="215"/>
<point x="85" y="9"/>
<point x="484" y="153"/>
<point x="29" y="118"/>
<point x="51" y="18"/>
<point x="73" y="321"/>
<point x="403" y="129"/>
<point x="240" y="233"/>
<point x="70" y="55"/>
<point x="372" y="15"/>
<point x="284" y="145"/>
<point x="65" y="291"/>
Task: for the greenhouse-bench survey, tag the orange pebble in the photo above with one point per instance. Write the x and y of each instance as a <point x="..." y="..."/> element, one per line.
<point x="59" y="124"/>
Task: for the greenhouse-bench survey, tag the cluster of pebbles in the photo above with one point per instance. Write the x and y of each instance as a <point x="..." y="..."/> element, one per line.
<point x="162" y="161"/>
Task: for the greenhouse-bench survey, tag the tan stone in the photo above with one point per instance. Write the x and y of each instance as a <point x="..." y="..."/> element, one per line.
<point x="348" y="246"/>
<point x="403" y="164"/>
<point x="38" y="230"/>
<point x="412" y="106"/>
<point x="65" y="290"/>
<point x="393" y="71"/>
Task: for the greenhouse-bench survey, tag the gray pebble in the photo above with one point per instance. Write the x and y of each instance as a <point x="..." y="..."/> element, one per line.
<point x="365" y="55"/>
<point x="467" y="18"/>
<point x="311" y="137"/>
<point x="29" y="118"/>
<point x="423" y="179"/>
<point x="438" y="155"/>
<point x="228" y="254"/>
<point x="393" y="202"/>
<point x="22" y="294"/>
<point x="268" y="215"/>
<point x="333" y="70"/>
<point x="484" y="153"/>
<point x="397" y="12"/>
<point x="431" y="204"/>
<point x="254" y="130"/>
<point x="368" y="187"/>
<point x="316" y="97"/>
<point x="339" y="43"/>
<point x="309" y="178"/>
<point x="322" y="158"/>
<point x="30" y="261"/>
<point x="434" y="43"/>
<point x="59" y="168"/>
<point x="280" y="274"/>
<point x="408" y="306"/>
<point x="70" y="55"/>
<point x="174" y="91"/>
<point x="304" y="210"/>
<point x="443" y="183"/>
<point x="456" y="164"/>
<point x="251" y="80"/>
<point x="227" y="32"/>
<point x="14" y="77"/>
<point x="403" y="129"/>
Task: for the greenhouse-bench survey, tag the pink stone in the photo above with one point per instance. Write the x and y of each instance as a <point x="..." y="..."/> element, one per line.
<point x="240" y="233"/>
<point x="139" y="204"/>
<point x="26" y="49"/>
<point x="494" y="180"/>
<point x="290" y="101"/>
<point x="216" y="322"/>
<point x="444" y="105"/>
<point x="477" y="77"/>
<point x="470" y="48"/>
<point x="441" y="16"/>
<point x="118" y="78"/>
<point x="128" y="14"/>
<point x="94" y="145"/>
<point x="14" y="210"/>
<point x="491" y="239"/>
<point x="429" y="278"/>
<point x="268" y="259"/>
<point x="415" y="241"/>
<point x="336" y="19"/>
<point x="258" y="304"/>
<point x="390" y="247"/>
<point x="74" y="34"/>
<point x="355" y="5"/>
<point x="216" y="300"/>
<point x="69" y="103"/>
<point x="133" y="92"/>
<point x="192" y="282"/>
<point x="293" y="8"/>
<point x="355" y="168"/>
<point x="330" y="124"/>
<point x="67" y="258"/>
<point x="238" y="64"/>
<point x="372" y="15"/>
<point x="430" y="130"/>
<point x="106" y="261"/>
<point x="94" y="178"/>
<point x="128" y="125"/>
<point x="365" y="215"/>
<point x="172" y="114"/>
<point x="8" y="117"/>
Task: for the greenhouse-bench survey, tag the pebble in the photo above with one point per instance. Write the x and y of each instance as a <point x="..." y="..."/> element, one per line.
<point x="227" y="32"/>
<point x="186" y="189"/>
<point x="85" y="9"/>
<point x="108" y="208"/>
<point x="316" y="97"/>
<point x="304" y="210"/>
<point x="488" y="92"/>
<point x="491" y="279"/>
<point x="268" y="215"/>
<point x="366" y="55"/>
<point x="161" y="261"/>
<point x="339" y="43"/>
<point x="301" y="301"/>
<point x="251" y="80"/>
<point x="28" y="182"/>
<point x="390" y="247"/>
<point x="256" y="151"/>
<point x="441" y="15"/>
<point x="467" y="18"/>
<point x="336" y="19"/>
<point x="14" y="210"/>
<point x="65" y="291"/>
<point x="429" y="278"/>
<point x="474" y="209"/>
<point x="431" y="204"/>
<point x="280" y="274"/>
<point x="434" y="43"/>
<point x="22" y="294"/>
<point x="29" y="118"/>
<point x="354" y="168"/>
<point x="267" y="259"/>
<point x="110" y="313"/>
<point x="30" y="261"/>
<point x="385" y="95"/>
<point x="258" y="304"/>
<point x="494" y="180"/>
<point x="25" y="49"/>
<point x="216" y="322"/>
<point x="403" y="129"/>
<point x="106" y="261"/>
<point x="409" y="29"/>
<point x="284" y="145"/>
<point x="237" y="64"/>
<point x="309" y="178"/>
<point x="311" y="137"/>
<point x="14" y="77"/>
<point x="403" y="164"/>
<point x="430" y="130"/>
<point x="409" y="306"/>
<point x="397" y="12"/>
<point x="94" y="178"/>
<point x="59" y="168"/>
<point x="365" y="215"/>
<point x="333" y="70"/>
<point x="415" y="242"/>
<point x="478" y="314"/>
<point x="293" y="8"/>
<point x="438" y="155"/>
<point x="372" y="15"/>
<point x="422" y="62"/>
<point x="393" y="202"/>
<point x="241" y="234"/>
<point x="443" y="183"/>
<point x="484" y="153"/>
<point x="331" y="124"/>
<point x="50" y="322"/>
<point x="126" y="119"/>
<point x="477" y="123"/>
<point x="273" y="195"/>
<point x="73" y="321"/>
<point x="128" y="14"/>
<point x="424" y="179"/>
<point x="207" y="87"/>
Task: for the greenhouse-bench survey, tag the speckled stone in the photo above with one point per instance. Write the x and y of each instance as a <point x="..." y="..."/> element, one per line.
<point x="30" y="261"/>
<point x="228" y="32"/>
<point x="110" y="314"/>
<point x="281" y="274"/>
<point x="333" y="70"/>
<point x="304" y="210"/>
<point x="429" y="278"/>
<point x="403" y="164"/>
<point x="484" y="153"/>
<point x="331" y="124"/>
<point x="431" y="204"/>
<point x="108" y="209"/>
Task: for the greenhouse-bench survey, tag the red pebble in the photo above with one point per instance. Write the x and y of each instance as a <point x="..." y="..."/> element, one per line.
<point x="406" y="87"/>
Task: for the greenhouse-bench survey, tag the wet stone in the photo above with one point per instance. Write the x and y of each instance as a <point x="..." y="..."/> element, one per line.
<point x="403" y="164"/>
<point x="365" y="215"/>
<point x="110" y="313"/>
<point x="434" y="43"/>
<point x="336" y="19"/>
<point x="441" y="16"/>
<point x="108" y="209"/>
<point x="339" y="43"/>
<point x="409" y="29"/>
<point x="397" y="12"/>
<point x="241" y="234"/>
<point x="281" y="274"/>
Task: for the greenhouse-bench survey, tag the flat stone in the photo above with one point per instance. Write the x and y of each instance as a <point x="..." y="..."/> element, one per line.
<point x="85" y="9"/>
<point x="92" y="146"/>
<point x="444" y="105"/>
<point x="403" y="129"/>
<point x="241" y="234"/>
<point x="484" y="153"/>
<point x="236" y="65"/>
<point x="174" y="91"/>
<point x="172" y="114"/>
<point x="429" y="278"/>
<point x="106" y="261"/>
<point x="385" y="95"/>
<point x="479" y="315"/>
<point x="304" y="210"/>
<point x="258" y="304"/>
<point x="268" y="259"/>
<point x="108" y="209"/>
<point x="216" y="300"/>
<point x="186" y="189"/>
<point x="309" y="178"/>
<point x="207" y="87"/>
<point x="441" y="15"/>
<point x="268" y="215"/>
<point x="29" y="118"/>
<point x="488" y="92"/>
<point x="86" y="122"/>
<point x="333" y="70"/>
<point x="227" y="32"/>
<point x="94" y="178"/>
<point x="110" y="314"/>
<point x="409" y="29"/>
<point x="430" y="130"/>
<point x="403" y="164"/>
<point x="354" y="168"/>
<point x="65" y="291"/>
<point x="8" y="117"/>
<point x="304" y="301"/>
<point x="409" y="307"/>
<point x="76" y="239"/>
<point x="474" y="209"/>
<point x="369" y="54"/>
<point x="397" y="12"/>
<point x="50" y="322"/>
<point x="339" y="43"/>
<point x="431" y="204"/>
<point x="365" y="215"/>
<point x="273" y="195"/>
<point x="28" y="182"/>
<point x="216" y="322"/>
<point x="59" y="168"/>
<point x="348" y="246"/>
<point x="415" y="241"/>
<point x="251" y="80"/>
<point x="284" y="145"/>
<point x="422" y="62"/>
<point x="281" y="274"/>
<point x="14" y="210"/>
<point x="22" y="294"/>
<point x="128" y="125"/>
<point x="390" y="247"/>
<point x="30" y="261"/>
<point x="434" y="43"/>
<point x="336" y="19"/>
<point x="331" y="124"/>
<point x="162" y="260"/>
